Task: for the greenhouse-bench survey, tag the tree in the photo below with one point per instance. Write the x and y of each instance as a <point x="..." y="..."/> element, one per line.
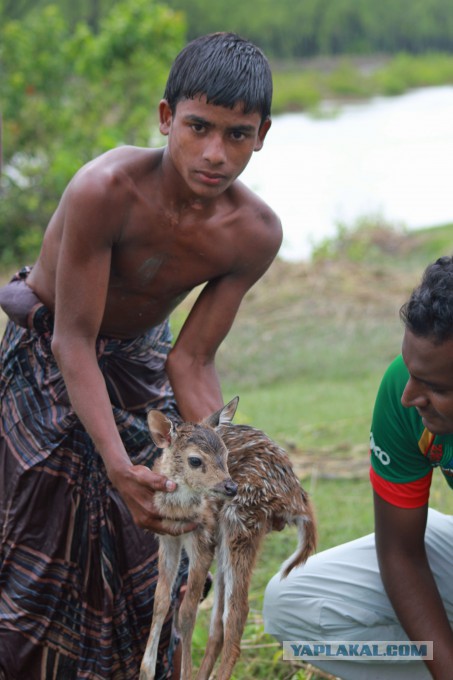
<point x="69" y="96"/>
<point x="302" y="28"/>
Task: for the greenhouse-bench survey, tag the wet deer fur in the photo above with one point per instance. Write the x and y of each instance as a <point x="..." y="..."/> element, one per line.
<point x="238" y="485"/>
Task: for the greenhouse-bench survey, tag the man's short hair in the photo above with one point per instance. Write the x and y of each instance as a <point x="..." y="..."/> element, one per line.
<point x="429" y="310"/>
<point x="226" y="69"/>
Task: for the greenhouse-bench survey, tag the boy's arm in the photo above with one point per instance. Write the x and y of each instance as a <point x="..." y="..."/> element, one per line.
<point x="409" y="582"/>
<point x="91" y="225"/>
<point x="191" y="363"/>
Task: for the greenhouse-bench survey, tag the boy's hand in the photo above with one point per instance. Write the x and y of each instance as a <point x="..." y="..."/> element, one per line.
<point x="137" y="486"/>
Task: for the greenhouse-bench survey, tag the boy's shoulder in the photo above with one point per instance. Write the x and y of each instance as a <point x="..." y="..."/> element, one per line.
<point x="113" y="174"/>
<point x="257" y="214"/>
<point x="122" y="159"/>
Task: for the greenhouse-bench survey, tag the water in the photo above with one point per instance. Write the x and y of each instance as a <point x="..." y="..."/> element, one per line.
<point x="389" y="156"/>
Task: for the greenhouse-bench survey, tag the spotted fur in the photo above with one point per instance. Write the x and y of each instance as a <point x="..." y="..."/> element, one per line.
<point x="268" y="496"/>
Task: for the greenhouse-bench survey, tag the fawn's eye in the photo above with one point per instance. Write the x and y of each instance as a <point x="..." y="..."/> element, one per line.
<point x="195" y="462"/>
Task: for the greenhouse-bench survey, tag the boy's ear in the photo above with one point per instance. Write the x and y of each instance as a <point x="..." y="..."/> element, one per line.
<point x="262" y="132"/>
<point x="165" y="117"/>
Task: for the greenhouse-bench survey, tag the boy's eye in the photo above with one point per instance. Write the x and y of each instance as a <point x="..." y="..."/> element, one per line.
<point x="198" y="127"/>
<point x="237" y="135"/>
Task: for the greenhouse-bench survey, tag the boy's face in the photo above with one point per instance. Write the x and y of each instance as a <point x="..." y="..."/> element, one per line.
<point x="430" y="385"/>
<point x="210" y="145"/>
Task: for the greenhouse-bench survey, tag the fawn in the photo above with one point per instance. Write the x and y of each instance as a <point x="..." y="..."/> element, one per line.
<point x="234" y="513"/>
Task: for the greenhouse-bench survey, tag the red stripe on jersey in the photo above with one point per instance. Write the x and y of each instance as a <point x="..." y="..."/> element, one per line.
<point x="403" y="495"/>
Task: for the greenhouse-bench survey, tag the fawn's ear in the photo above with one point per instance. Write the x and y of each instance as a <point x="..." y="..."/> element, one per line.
<point x="224" y="416"/>
<point x="161" y="429"/>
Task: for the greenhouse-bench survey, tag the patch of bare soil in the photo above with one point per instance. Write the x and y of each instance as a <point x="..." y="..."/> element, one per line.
<point x="337" y="286"/>
<point x="327" y="464"/>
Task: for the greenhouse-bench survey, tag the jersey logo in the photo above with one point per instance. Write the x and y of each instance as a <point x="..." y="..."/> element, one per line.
<point x="434" y="454"/>
<point x="381" y="455"/>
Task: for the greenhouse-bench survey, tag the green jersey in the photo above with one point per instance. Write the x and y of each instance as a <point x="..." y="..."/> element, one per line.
<point x="403" y="452"/>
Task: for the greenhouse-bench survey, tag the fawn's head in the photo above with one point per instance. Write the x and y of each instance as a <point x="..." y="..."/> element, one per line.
<point x="194" y="455"/>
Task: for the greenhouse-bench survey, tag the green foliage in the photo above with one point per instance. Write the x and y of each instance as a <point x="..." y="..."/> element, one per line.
<point x="301" y="28"/>
<point x="296" y="90"/>
<point x="69" y="96"/>
<point x="406" y="71"/>
<point x="347" y="81"/>
<point x="291" y="29"/>
<point x="371" y="237"/>
<point x="362" y="240"/>
<point x="87" y="11"/>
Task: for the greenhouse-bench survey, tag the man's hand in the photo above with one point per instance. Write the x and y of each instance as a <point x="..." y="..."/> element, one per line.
<point x="136" y="486"/>
<point x="409" y="581"/>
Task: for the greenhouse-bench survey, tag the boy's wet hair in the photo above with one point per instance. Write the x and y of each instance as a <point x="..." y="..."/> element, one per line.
<point x="226" y="69"/>
<point x="429" y="311"/>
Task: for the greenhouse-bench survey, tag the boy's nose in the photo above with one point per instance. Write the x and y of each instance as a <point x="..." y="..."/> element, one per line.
<point x="214" y="151"/>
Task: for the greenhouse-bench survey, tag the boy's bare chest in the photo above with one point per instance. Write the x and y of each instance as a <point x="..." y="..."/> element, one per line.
<point x="152" y="273"/>
<point x="171" y="261"/>
<point x="164" y="250"/>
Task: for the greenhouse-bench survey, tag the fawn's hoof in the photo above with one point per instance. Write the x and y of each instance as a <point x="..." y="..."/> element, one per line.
<point x="145" y="674"/>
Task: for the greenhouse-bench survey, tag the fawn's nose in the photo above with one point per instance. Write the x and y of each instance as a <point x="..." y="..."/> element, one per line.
<point x="231" y="488"/>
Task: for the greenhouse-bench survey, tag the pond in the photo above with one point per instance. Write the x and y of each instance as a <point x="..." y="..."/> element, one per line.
<point x="391" y="157"/>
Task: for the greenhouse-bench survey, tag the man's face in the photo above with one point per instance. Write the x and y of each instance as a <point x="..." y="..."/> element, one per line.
<point x="430" y="385"/>
<point x="210" y="145"/>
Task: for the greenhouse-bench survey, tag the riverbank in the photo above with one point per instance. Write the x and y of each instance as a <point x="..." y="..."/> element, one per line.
<point x="385" y="158"/>
<point x="304" y="85"/>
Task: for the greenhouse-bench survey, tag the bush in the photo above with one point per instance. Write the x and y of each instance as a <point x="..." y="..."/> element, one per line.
<point x="69" y="96"/>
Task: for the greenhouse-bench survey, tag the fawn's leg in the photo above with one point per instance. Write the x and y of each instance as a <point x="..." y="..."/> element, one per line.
<point x="169" y="556"/>
<point x="241" y="558"/>
<point x="215" y="640"/>
<point x="200" y="559"/>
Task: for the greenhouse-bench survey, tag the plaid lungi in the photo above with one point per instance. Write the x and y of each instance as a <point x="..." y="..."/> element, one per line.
<point x="77" y="576"/>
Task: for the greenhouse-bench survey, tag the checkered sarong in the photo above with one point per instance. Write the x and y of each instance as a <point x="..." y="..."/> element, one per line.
<point x="77" y="576"/>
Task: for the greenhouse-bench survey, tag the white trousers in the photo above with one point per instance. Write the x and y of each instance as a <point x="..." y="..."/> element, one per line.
<point x="338" y="595"/>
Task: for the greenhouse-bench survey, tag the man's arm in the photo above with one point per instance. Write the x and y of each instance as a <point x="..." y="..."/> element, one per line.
<point x="409" y="582"/>
<point x="92" y="223"/>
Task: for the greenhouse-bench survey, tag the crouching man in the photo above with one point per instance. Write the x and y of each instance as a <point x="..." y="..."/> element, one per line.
<point x="396" y="584"/>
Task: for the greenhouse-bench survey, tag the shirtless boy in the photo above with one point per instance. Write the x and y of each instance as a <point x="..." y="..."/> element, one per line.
<point x="87" y="352"/>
